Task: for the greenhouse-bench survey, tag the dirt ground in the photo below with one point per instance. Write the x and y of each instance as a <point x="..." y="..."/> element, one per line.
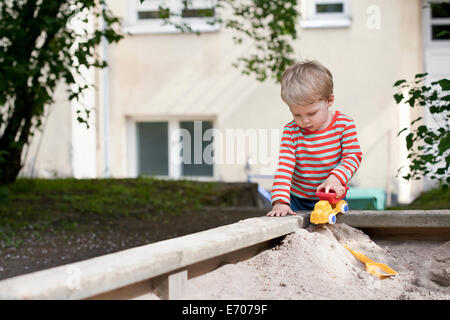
<point x="103" y="237"/>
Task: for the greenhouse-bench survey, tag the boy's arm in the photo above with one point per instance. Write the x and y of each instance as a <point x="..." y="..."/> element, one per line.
<point x="351" y="155"/>
<point x="283" y="175"/>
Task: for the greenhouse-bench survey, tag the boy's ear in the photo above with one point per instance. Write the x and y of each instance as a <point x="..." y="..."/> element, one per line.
<point x="330" y="100"/>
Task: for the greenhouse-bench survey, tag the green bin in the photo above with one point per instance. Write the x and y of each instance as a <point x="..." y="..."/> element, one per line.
<point x="366" y="198"/>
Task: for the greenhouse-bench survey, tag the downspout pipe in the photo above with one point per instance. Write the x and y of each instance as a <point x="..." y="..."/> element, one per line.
<point x="106" y="167"/>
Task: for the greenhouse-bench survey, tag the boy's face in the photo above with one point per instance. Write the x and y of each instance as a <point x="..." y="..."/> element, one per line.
<point x="313" y="117"/>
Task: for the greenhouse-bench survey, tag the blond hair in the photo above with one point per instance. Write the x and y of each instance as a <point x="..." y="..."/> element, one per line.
<point x="306" y="82"/>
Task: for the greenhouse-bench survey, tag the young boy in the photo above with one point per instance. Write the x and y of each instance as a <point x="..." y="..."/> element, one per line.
<point x="319" y="147"/>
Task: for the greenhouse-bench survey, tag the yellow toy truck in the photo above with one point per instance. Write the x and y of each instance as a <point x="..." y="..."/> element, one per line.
<point x="328" y="207"/>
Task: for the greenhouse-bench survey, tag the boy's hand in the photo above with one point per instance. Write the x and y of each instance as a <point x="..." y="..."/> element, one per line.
<point x="332" y="183"/>
<point x="280" y="209"/>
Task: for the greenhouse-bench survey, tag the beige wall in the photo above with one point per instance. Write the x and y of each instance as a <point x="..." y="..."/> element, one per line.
<point x="49" y="154"/>
<point x="185" y="76"/>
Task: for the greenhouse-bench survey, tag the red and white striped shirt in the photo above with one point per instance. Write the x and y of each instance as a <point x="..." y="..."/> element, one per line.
<point x="307" y="158"/>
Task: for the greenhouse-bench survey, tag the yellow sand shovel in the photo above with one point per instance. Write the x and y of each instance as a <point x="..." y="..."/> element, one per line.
<point x="378" y="269"/>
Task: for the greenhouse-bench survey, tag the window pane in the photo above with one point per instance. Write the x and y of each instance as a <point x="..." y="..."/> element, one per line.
<point x="330" y="8"/>
<point x="143" y="15"/>
<point x="440" y="32"/>
<point x="440" y="10"/>
<point x="153" y="150"/>
<point x="201" y="169"/>
<point x="198" y="13"/>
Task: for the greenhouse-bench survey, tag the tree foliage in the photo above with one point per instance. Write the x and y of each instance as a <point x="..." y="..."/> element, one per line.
<point x="428" y="146"/>
<point x="40" y="47"/>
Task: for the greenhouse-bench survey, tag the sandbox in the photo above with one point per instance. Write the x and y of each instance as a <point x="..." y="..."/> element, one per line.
<point x="313" y="263"/>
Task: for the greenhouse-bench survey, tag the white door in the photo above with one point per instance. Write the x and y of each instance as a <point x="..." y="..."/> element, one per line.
<point x="436" y="48"/>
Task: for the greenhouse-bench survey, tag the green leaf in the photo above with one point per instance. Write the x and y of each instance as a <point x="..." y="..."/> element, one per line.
<point x="421" y="130"/>
<point x="429" y="140"/>
<point x="399" y="82"/>
<point x="409" y="141"/>
<point x="398" y="97"/>
<point x="444" y="143"/>
<point x="418" y="119"/>
<point x="411" y="101"/>
<point x="401" y="131"/>
<point x="421" y="75"/>
<point x="443" y="34"/>
<point x="445" y="84"/>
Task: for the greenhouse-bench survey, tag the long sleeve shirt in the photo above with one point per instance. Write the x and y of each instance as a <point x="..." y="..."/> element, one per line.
<point x="307" y="158"/>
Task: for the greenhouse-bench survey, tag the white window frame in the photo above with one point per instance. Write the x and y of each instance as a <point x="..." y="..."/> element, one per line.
<point x="428" y="22"/>
<point x="174" y="168"/>
<point x="313" y="19"/>
<point x="133" y="25"/>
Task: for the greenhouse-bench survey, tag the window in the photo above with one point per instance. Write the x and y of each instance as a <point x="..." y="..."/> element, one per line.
<point x="192" y="168"/>
<point x="440" y="10"/>
<point x="440" y="32"/>
<point x="146" y="17"/>
<point x="326" y="14"/>
<point x="155" y="150"/>
<point x="440" y="21"/>
<point x="327" y="8"/>
<point x="436" y="26"/>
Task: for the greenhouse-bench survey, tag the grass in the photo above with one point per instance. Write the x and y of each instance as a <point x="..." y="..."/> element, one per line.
<point x="41" y="205"/>
<point x="431" y="200"/>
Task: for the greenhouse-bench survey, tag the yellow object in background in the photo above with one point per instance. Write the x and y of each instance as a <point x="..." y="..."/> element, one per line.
<point x="378" y="269"/>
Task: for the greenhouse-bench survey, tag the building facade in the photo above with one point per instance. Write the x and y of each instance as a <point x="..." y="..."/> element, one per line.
<point x="168" y="98"/>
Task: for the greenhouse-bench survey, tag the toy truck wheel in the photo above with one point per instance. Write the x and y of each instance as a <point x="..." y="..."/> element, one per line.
<point x="331" y="219"/>
<point x="343" y="208"/>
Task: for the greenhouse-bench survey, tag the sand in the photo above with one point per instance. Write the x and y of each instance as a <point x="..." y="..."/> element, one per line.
<point x="313" y="263"/>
